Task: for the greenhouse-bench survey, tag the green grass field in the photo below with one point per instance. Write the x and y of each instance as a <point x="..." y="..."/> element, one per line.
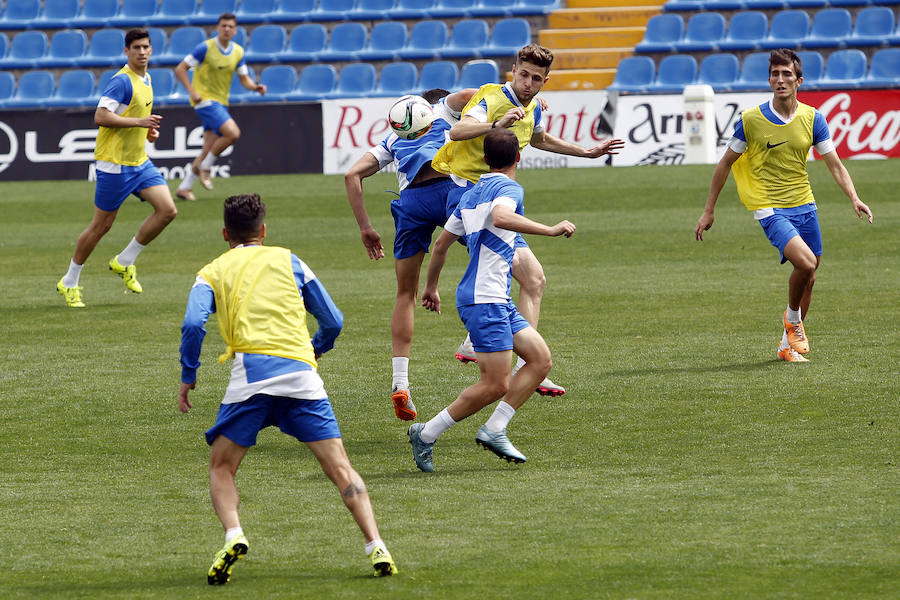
<point x="685" y="461"/>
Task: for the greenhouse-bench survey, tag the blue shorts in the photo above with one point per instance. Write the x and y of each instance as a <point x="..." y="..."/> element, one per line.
<point x="113" y="188"/>
<point x="213" y="116"/>
<point x="416" y="213"/>
<point x="782" y="227"/>
<point x="453" y="201"/>
<point x="306" y="420"/>
<point x="492" y="326"/>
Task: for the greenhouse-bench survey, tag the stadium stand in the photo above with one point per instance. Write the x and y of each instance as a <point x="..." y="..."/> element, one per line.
<point x="4" y="45"/>
<point x="356" y="80"/>
<point x="425" y="40"/>
<point x="452" y="8"/>
<point x="397" y="79"/>
<point x="492" y="8"/>
<point x="813" y="67"/>
<point x="306" y="44"/>
<point x="371" y="9"/>
<point x="438" y="74"/>
<point x="386" y="39"/>
<point x="65" y="46"/>
<point x="476" y="73"/>
<point x="720" y="71"/>
<point x="73" y="89"/>
<point x="754" y="72"/>
<point x="788" y="29"/>
<point x="57" y="14"/>
<point x="291" y="11"/>
<point x="163" y="83"/>
<point x="703" y="34"/>
<point x="315" y="83"/>
<point x="7" y="87"/>
<point x="844" y="69"/>
<point x="255" y="11"/>
<point x="873" y="26"/>
<point x="345" y="42"/>
<point x="25" y="50"/>
<point x="411" y="9"/>
<point x="96" y="13"/>
<point x="280" y="80"/>
<point x="745" y="30"/>
<point x="634" y="75"/>
<point x="211" y="9"/>
<point x="507" y="37"/>
<point x="830" y="29"/>
<point x="468" y="37"/>
<point x="884" y="70"/>
<point x="134" y="13"/>
<point x="331" y="10"/>
<point x="534" y="7"/>
<point x="675" y="71"/>
<point x="104" y="50"/>
<point x="266" y="41"/>
<point x="20" y="14"/>
<point x="33" y="90"/>
<point x="182" y="42"/>
<point x="174" y="12"/>
<point x="662" y="33"/>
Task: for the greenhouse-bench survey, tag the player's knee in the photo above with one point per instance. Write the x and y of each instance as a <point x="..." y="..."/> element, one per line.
<point x="498" y="389"/>
<point x="168" y="213"/>
<point x="533" y="281"/>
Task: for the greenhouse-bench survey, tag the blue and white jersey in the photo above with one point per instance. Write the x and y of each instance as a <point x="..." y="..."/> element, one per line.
<point x="821" y="136"/>
<point x="412" y="155"/>
<point x="261" y="373"/>
<point x="491" y="249"/>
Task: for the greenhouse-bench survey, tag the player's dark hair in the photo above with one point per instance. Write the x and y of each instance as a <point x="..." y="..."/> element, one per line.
<point x="785" y="57"/>
<point x="244" y="216"/>
<point x="501" y="148"/>
<point x="536" y="55"/>
<point x="135" y="34"/>
<point x="226" y="17"/>
<point x="432" y="96"/>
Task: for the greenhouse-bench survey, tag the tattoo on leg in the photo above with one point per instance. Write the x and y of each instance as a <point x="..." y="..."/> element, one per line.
<point x="354" y="489"/>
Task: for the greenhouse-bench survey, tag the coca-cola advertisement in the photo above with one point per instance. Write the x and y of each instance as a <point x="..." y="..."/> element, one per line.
<point x="863" y="123"/>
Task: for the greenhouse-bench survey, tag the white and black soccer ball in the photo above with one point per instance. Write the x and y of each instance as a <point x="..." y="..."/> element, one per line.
<point x="411" y="117"/>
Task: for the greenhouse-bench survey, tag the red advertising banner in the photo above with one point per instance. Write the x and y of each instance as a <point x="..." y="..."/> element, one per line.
<point x="863" y="123"/>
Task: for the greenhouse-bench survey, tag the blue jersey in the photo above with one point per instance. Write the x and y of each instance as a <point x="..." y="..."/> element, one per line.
<point x="491" y="249"/>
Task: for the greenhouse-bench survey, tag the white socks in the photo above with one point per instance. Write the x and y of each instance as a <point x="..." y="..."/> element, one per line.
<point x="503" y="414"/>
<point x="793" y="316"/>
<point x="784" y="341"/>
<point x="436" y="426"/>
<point x="188" y="180"/>
<point x="130" y="253"/>
<point x="370" y="546"/>
<point x="72" y="275"/>
<point x="233" y="533"/>
<point x="401" y="372"/>
<point x="208" y="161"/>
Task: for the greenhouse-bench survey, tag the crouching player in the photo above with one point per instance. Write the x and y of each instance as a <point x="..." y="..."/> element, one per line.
<point x="489" y="215"/>
<point x="260" y="296"/>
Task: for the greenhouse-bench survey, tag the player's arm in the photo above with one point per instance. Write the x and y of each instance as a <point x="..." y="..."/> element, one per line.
<point x="201" y="303"/>
<point x="431" y="299"/>
<point x="457" y="100"/>
<point x="551" y="143"/>
<point x="366" y="166"/>
<point x="720" y="175"/>
<point x="506" y="218"/>
<point x="842" y="177"/>
<point x="474" y="123"/>
<point x="319" y="304"/>
<point x="252" y="85"/>
<point x="104" y="117"/>
<point x="181" y="74"/>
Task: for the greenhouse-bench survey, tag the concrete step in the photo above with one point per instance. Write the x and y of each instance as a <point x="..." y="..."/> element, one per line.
<point x="607" y="37"/>
<point x="589" y="58"/>
<point x="601" y="17"/>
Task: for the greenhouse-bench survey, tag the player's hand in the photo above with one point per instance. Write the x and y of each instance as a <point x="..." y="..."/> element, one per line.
<point x="704" y="223"/>
<point x="261" y="88"/>
<point x="196" y="97"/>
<point x="184" y="404"/>
<point x="431" y="300"/>
<point x="372" y="241"/>
<point x="517" y="113"/>
<point x="151" y="122"/>
<point x="860" y="209"/>
<point x="610" y="146"/>
<point x="544" y="104"/>
<point x="566" y="228"/>
<point x="152" y="135"/>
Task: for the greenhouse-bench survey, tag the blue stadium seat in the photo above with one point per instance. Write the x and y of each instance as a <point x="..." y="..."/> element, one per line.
<point x="845" y="69"/>
<point x="703" y="33"/>
<point x="411" y="9"/>
<point x="4" y="45"/>
<point x="466" y="39"/>
<point x="722" y="5"/>
<point x="683" y="5"/>
<point x="806" y="4"/>
<point x="34" y="90"/>
<point x="210" y="10"/>
<point x="813" y="68"/>
<point x="675" y="71"/>
<point x="425" y="39"/>
<point x="237" y="93"/>
<point x="386" y="39"/>
<point x="397" y="79"/>
<point x="662" y="33"/>
<point x="787" y="29"/>
<point x="179" y="95"/>
<point x="884" y="69"/>
<point x="332" y="10"/>
<point x="26" y="50"/>
<point x="476" y="73"/>
<point x="65" y="46"/>
<point x="163" y="82"/>
<point x="830" y="29"/>
<point x="19" y="13"/>
<point x="859" y="2"/>
<point x="346" y="41"/>
<point x="255" y="11"/>
<point x="182" y="42"/>
<point x="534" y="7"/>
<point x="57" y="14"/>
<point x="493" y="8"/>
<point x="174" y="12"/>
<point x="754" y="72"/>
<point x="266" y="42"/>
<point x="240" y="36"/>
<point x="355" y="80"/>
<point x="96" y="13"/>
<point x="306" y="44"/>
<point x="7" y="87"/>
<point x="373" y="10"/>
<point x="873" y="26"/>
<point x="279" y="80"/>
<point x="452" y="9"/>
<point x="507" y="37"/>
<point x="75" y="88"/>
<point x="766" y="4"/>
<point x="106" y="49"/>
<point x="134" y="13"/>
<point x="720" y="71"/>
<point x="103" y="81"/>
<point x="316" y="82"/>
<point x="440" y="74"/>
<point x="158" y="41"/>
<point x="745" y="31"/>
<point x="633" y="75"/>
<point x="292" y="11"/>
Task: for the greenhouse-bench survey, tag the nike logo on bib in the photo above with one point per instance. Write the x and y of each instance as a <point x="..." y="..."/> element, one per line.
<point x="770" y="145"/>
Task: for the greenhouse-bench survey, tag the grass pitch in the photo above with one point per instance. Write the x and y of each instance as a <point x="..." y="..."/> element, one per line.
<point x="685" y="461"/>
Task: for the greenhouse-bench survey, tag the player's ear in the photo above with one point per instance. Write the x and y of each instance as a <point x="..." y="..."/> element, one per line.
<point x="518" y="157"/>
<point x="225" y="234"/>
<point x="262" y="232"/>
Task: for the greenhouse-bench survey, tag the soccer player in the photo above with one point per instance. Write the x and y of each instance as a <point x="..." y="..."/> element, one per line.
<point x="489" y="215"/>
<point x="260" y="295"/>
<point x="420" y="207"/>
<point x="512" y="106"/>
<point x="214" y="61"/>
<point x="768" y="154"/>
<point x="124" y="116"/>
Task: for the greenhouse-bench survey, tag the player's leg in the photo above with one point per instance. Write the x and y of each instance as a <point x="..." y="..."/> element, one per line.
<point x="402" y="325"/>
<point x="68" y="287"/>
<point x="224" y="459"/>
<point x="229" y="133"/>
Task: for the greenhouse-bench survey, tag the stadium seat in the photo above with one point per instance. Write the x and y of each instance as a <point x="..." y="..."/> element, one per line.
<point x="373" y="10"/>
<point x="859" y="2"/>
<point x="57" y="14"/>
<point x="662" y="33"/>
<point x="534" y="7"/>
<point x="355" y="80"/>
<point x="493" y="8"/>
<point x="813" y="67"/>
<point x="346" y="41"/>
<point x="452" y="9"/>
<point x="787" y="30"/>
<point x="745" y="31"/>
<point x="766" y="4"/>
<point x="830" y="29"/>
<point x="26" y="49"/>
<point x="754" y="72"/>
<point x="476" y="73"/>
<point x="96" y="13"/>
<point x="174" y="12"/>
<point x="316" y="82"/>
<point x="266" y="42"/>
<point x="134" y="13"/>
<point x="34" y="90"/>
<point x="397" y="79"/>
<point x="240" y="36"/>
<point x="386" y="39"/>
<point x="4" y="45"/>
<point x="237" y="93"/>
<point x="633" y="75"/>
<point x="507" y="37"/>
<point x="19" y="13"/>
<point x="466" y="39"/>
<point x="332" y="10"/>
<point x="411" y="9"/>
<point x="845" y="69"/>
<point x="65" y="46"/>
<point x="425" y="39"/>
<point x="440" y="74"/>
<point x="74" y="88"/>
<point x="884" y="69"/>
<point x="279" y="80"/>
<point x="306" y="44"/>
<point x="163" y="83"/>
<point x="255" y="11"/>
<point x="720" y="71"/>
<point x="723" y="5"/>
<point x="873" y="26"/>
<point x="292" y="11"/>
<point x="179" y="95"/>
<point x="703" y="33"/>
<point x="106" y="49"/>
<point x="158" y="41"/>
<point x="182" y="42"/>
<point x="102" y="82"/>
<point x="7" y="87"/>
<point x="675" y="71"/>
<point x="210" y="10"/>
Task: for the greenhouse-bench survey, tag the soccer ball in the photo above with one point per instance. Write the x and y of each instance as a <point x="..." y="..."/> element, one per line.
<point x="411" y="117"/>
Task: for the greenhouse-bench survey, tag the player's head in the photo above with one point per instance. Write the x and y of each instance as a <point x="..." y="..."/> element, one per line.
<point x="501" y="148"/>
<point x="531" y="71"/>
<point x="226" y="26"/>
<point x="245" y="216"/>
<point x="137" y="47"/>
<point x="785" y="72"/>
<point x="432" y="96"/>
